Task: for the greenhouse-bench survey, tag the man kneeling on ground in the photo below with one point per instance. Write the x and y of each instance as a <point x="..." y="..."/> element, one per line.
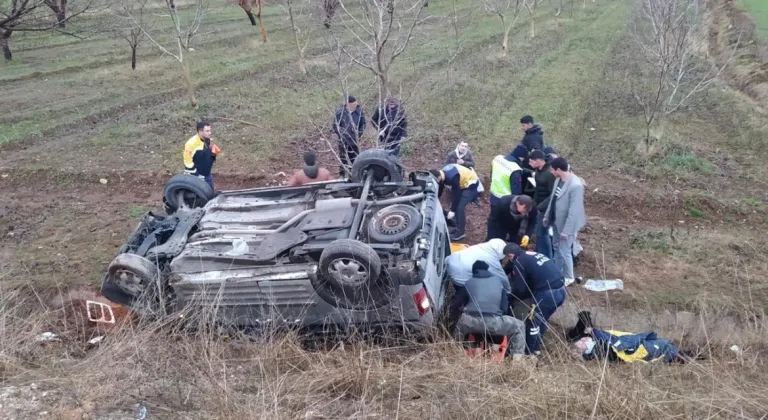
<point x="485" y="302"/>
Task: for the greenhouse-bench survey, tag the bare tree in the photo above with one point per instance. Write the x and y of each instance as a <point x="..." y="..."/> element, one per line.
<point x="296" y="10"/>
<point x="248" y="6"/>
<point x="671" y="35"/>
<point x="179" y="38"/>
<point x="502" y="9"/>
<point x="33" y="16"/>
<point x="329" y="7"/>
<point x="132" y="21"/>
<point x="530" y="5"/>
<point x="373" y="33"/>
<point x="59" y="8"/>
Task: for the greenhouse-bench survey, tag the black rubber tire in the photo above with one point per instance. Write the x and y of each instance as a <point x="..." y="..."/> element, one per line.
<point x="409" y="219"/>
<point x="384" y="166"/>
<point x="197" y="192"/>
<point x="370" y="291"/>
<point x="143" y="270"/>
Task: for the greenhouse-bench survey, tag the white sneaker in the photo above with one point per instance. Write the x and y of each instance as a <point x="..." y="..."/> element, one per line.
<point x="569" y="282"/>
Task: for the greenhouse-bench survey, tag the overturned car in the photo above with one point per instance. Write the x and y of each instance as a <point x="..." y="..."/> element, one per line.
<point x="364" y="251"/>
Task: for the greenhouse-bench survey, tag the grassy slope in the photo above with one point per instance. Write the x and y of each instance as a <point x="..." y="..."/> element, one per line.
<point x="758" y="9"/>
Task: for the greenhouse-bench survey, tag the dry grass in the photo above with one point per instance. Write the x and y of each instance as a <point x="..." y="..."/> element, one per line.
<point x="199" y="372"/>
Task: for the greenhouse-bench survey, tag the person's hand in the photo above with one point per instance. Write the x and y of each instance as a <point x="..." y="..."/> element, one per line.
<point x="460" y="161"/>
<point x="450" y="215"/>
<point x="545" y="221"/>
<point x="563" y="236"/>
<point x="215" y="150"/>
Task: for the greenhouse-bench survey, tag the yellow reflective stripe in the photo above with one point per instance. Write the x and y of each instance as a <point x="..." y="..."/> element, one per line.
<point x="191" y="147"/>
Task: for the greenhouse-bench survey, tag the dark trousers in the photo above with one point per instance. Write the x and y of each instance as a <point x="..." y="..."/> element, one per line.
<point x="209" y="181"/>
<point x="391" y="145"/>
<point x="543" y="240"/>
<point x="496" y="230"/>
<point x="546" y="303"/>
<point x="347" y="153"/>
<point x="467" y="196"/>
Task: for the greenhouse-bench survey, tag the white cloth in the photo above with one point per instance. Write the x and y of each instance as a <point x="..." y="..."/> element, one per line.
<point x="460" y="263"/>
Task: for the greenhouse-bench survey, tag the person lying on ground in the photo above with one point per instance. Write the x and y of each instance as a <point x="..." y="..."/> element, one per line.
<point x="461" y="155"/>
<point x="592" y="343"/>
<point x="464" y="183"/>
<point x="482" y="306"/>
<point x="459" y="264"/>
<point x="512" y="218"/>
<point x="535" y="276"/>
<point x="310" y="173"/>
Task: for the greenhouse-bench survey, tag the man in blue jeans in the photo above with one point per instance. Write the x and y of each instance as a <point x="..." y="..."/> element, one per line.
<point x="538" y="277"/>
<point x="545" y="183"/>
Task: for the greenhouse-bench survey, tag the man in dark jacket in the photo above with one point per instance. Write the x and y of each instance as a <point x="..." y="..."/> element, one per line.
<point x="481" y="306"/>
<point x="534" y="135"/>
<point x="391" y="123"/>
<point x="545" y="182"/>
<point x="463" y="182"/>
<point x="349" y="124"/>
<point x="200" y="154"/>
<point x="511" y="218"/>
<point x="538" y="277"/>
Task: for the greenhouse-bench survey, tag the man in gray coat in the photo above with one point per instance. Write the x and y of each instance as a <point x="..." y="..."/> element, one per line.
<point x="569" y="216"/>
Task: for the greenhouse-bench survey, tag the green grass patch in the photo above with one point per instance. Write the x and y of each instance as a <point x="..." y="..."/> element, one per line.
<point x="686" y="163"/>
<point x="759" y="11"/>
<point x="650" y="240"/>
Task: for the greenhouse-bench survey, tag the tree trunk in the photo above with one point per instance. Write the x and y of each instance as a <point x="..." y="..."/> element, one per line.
<point x="59" y="8"/>
<point x="133" y="57"/>
<point x="250" y="17"/>
<point x="295" y="34"/>
<point x="190" y="85"/>
<point x="261" y="24"/>
<point x="4" y="44"/>
<point x="505" y="41"/>
<point x="533" y="28"/>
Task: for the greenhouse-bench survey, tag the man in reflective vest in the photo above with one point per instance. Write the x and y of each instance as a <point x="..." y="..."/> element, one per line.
<point x="506" y="177"/>
<point x="464" y="183"/>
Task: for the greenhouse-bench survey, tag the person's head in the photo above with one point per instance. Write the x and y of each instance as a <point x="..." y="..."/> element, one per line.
<point x="479" y="266"/>
<point x="351" y="103"/>
<point x="438" y="174"/>
<point x="520" y="153"/>
<point x="310" y="158"/>
<point x="462" y="147"/>
<point x="537" y="159"/>
<point x="522" y="204"/>
<point x="391" y="103"/>
<point x="204" y="130"/>
<point x="511" y="250"/>
<point x="526" y="122"/>
<point x="559" y="167"/>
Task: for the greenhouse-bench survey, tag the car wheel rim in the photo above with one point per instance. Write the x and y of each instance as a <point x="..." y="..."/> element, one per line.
<point x="394" y="223"/>
<point x="348" y="271"/>
<point x="129" y="281"/>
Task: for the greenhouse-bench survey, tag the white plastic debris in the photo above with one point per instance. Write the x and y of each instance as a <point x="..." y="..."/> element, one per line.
<point x="96" y="340"/>
<point x="239" y="247"/>
<point x="604" y="285"/>
<point x="736" y="349"/>
<point x="103" y="181"/>
<point x="47" y="336"/>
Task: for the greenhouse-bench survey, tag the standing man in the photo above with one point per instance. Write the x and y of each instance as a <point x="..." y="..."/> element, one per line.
<point x="482" y="306"/>
<point x="463" y="182"/>
<point x="534" y="135"/>
<point x="349" y="124"/>
<point x="568" y="200"/>
<point x="545" y="184"/>
<point x="512" y="218"/>
<point x="200" y="154"/>
<point x="310" y="173"/>
<point x="392" y="124"/>
<point x="506" y="177"/>
<point x="535" y="276"/>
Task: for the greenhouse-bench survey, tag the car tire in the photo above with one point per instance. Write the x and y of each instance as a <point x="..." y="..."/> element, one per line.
<point x="133" y="274"/>
<point x="350" y="276"/>
<point x="196" y="192"/>
<point x="394" y="223"/>
<point x="384" y="166"/>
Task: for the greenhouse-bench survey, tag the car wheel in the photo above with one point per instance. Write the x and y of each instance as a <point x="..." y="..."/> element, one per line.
<point x="132" y="273"/>
<point x="394" y="223"/>
<point x="350" y="276"/>
<point x="186" y="191"/>
<point x="381" y="164"/>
